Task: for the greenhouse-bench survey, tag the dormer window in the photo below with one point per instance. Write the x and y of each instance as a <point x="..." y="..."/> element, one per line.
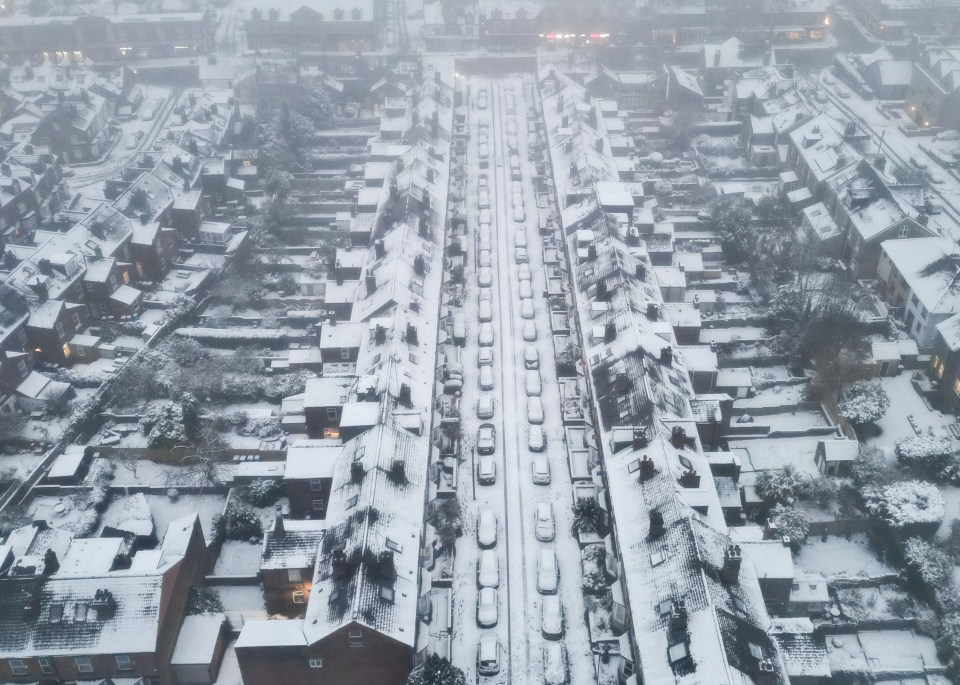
<point x="678" y="652"/>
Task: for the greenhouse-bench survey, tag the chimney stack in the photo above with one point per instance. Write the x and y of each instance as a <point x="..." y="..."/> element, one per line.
<point x="678" y="437"/>
<point x="647" y="469"/>
<point x="657" y="527"/>
<point x="371" y="282"/>
<point x="678" y="616"/>
<point x="609" y="332"/>
<point x="278" y="521"/>
<point x="732" y="558"/>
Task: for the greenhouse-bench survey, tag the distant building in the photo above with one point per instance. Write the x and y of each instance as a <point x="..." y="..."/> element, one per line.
<point x="934" y="95"/>
<point x="324" y="26"/>
<point x="75" y="128"/>
<point x="945" y="363"/>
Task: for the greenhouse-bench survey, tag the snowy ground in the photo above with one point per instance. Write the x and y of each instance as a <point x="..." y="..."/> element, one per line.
<point x="238" y="558"/>
<point x="165" y="510"/>
<point x="841" y="558"/>
<point x="907" y="403"/>
<point x="514" y="495"/>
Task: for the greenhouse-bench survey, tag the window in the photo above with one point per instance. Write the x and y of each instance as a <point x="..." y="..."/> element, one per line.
<point x="685" y="463"/>
<point x="298" y="597"/>
<point x="18" y="666"/>
<point x="22" y="368"/>
<point x="316" y="663"/>
<point x="83" y="664"/>
<point x="796" y="587"/>
<point x="656" y="558"/>
<point x="413" y="358"/>
<point x="58" y="328"/>
<point x="332" y="413"/>
<point x="46" y="666"/>
<point x="813" y="587"/>
<point x="124" y="662"/>
<point x="356" y="638"/>
<point x="386" y="593"/>
<point x="81" y="352"/>
<point x="316" y="485"/>
<point x="739" y="604"/>
<point x="678" y="652"/>
<point x="393" y="546"/>
<point x="318" y="505"/>
<point x="344" y="354"/>
<point x="293" y="575"/>
<point x="352" y="502"/>
<point x="956" y="387"/>
<point x="76" y="320"/>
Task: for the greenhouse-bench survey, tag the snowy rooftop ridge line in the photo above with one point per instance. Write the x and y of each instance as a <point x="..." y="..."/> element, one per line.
<point x="696" y="609"/>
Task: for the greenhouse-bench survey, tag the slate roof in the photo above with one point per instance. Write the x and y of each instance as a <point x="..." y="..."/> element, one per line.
<point x="294" y="547"/>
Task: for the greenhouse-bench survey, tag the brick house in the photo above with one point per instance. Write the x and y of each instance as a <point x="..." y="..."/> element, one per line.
<point x="19" y="212"/>
<point x="51" y="326"/>
<point x="96" y="615"/>
<point x="75" y="128"/>
<point x="945" y="364"/>
<point x="153" y="249"/>
<point x="323" y="403"/>
<point x="108" y="293"/>
<point x="308" y="476"/>
<point x="286" y="564"/>
<point x="361" y="617"/>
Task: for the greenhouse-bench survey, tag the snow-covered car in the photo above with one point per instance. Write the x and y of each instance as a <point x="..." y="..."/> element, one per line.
<point x="536" y="439"/>
<point x="132" y="141"/>
<point x="820" y="97"/>
<point x="484" y="295"/>
<point x="485" y="216"/>
<point x="512" y="141"/>
<point x="486" y="437"/>
<point x="486" y="406"/>
<point x="487" y="529"/>
<point x="524" y="272"/>
<point x="485" y="277"/>
<point x="532" y="383"/>
<point x="482" y="103"/>
<point x="484" y="243"/>
<point x="548" y="571"/>
<point x="484" y="233"/>
<point x="541" y="470"/>
<point x="841" y="93"/>
<point x="486" y="471"/>
<point x="484" y="259"/>
<point x="486" y="378"/>
<point x="520" y="238"/>
<point x="511" y="125"/>
<point x="482" y="180"/>
<point x="485" y="312"/>
<point x="520" y="255"/>
<point x="487" y="608"/>
<point x="529" y="331"/>
<point x="486" y="334"/>
<point x="526" y="308"/>
<point x="485" y="356"/>
<point x="525" y="289"/>
<point x="488" y="571"/>
<point x="488" y="655"/>
<point x="551" y="618"/>
<point x="534" y="410"/>
<point x="483" y="199"/>
<point x="516" y="187"/>
<point x="531" y="357"/>
<point x="555" y="664"/>
<point x="829" y="80"/>
<point x="545" y="529"/>
<point x="518" y="215"/>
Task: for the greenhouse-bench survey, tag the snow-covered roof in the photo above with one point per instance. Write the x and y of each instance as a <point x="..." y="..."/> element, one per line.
<point x="804" y="654"/>
<point x="293" y="545"/>
<point x="840" y="449"/>
<point x="930" y="267"/>
<point x="822" y="147"/>
<point x="950" y="331"/>
<point x="90" y="556"/>
<point x="197" y="642"/>
<point x="66" y="464"/>
<point x="271" y="633"/>
<point x="351" y="581"/>
<point x="306" y="459"/>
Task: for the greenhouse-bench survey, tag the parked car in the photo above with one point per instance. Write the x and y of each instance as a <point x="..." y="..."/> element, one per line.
<point x="486" y="438"/>
<point x="520" y="255"/>
<point x="488" y="570"/>
<point x="548" y="571"/>
<point x="534" y="410"/>
<point x="483" y="199"/>
<point x="485" y="406"/>
<point x="555" y="670"/>
<point x="526" y="308"/>
<point x="520" y="238"/>
<point x="551" y="618"/>
<point x="487" y="529"/>
<point x="485" y="356"/>
<point x="531" y="357"/>
<point x="485" y="277"/>
<point x="545" y="530"/>
<point x="484" y="259"/>
<point x="536" y="439"/>
<point x="486" y="378"/>
<point x="486" y="471"/>
<point x="486" y="334"/>
<point x="518" y="214"/>
<point x="484" y="242"/>
<point x="525" y="290"/>
<point x="529" y="331"/>
<point x="485" y="311"/>
<point x="487" y="608"/>
<point x="523" y="271"/>
<point x="532" y="383"/>
<point x="488" y="650"/>
<point x="541" y="470"/>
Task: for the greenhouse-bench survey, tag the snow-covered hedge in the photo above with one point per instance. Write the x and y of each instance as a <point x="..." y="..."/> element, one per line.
<point x="92" y="379"/>
<point x="864" y="402"/>
<point x="234" y="336"/>
<point x="925" y="451"/>
<point x="910" y="505"/>
<point x="791" y="523"/>
<point x="930" y="565"/>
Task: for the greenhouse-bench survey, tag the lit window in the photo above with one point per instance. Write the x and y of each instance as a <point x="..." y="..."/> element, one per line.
<point x="298" y="597"/>
<point x="293" y="575"/>
<point x="124" y="662"/>
<point x="83" y="664"/>
<point x="316" y="663"/>
<point x="18" y="666"/>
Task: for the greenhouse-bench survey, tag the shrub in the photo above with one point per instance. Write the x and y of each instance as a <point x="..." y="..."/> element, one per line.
<point x="163" y="425"/>
<point x="928" y="565"/>
<point x="948" y="644"/>
<point x="436" y="670"/>
<point x="261" y="492"/>
<point x="587" y="516"/>
<point x="864" y="402"/>
<point x="909" y="505"/>
<point x="791" y="523"/>
<point x="781" y="485"/>
<point x="239" y="522"/>
<point x="204" y="600"/>
<point x="594" y="582"/>
<point x="822" y="491"/>
<point x="927" y="452"/>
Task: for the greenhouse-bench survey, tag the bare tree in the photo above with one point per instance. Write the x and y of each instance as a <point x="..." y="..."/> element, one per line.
<point x="201" y="466"/>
